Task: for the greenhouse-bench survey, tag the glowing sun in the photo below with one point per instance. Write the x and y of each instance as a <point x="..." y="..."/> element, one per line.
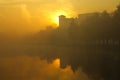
<point x="55" y="16"/>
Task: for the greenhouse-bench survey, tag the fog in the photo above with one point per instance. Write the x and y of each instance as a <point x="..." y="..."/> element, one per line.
<point x="84" y="46"/>
<point x="29" y="16"/>
<point x="26" y="17"/>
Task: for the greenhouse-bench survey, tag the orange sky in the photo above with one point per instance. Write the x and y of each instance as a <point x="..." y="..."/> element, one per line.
<point x="26" y="16"/>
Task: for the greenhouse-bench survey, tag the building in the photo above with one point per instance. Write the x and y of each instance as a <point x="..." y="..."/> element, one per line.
<point x="65" y="23"/>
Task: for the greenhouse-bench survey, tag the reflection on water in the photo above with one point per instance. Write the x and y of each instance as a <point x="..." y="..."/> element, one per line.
<point x="100" y="61"/>
<point x="34" y="68"/>
<point x="90" y="46"/>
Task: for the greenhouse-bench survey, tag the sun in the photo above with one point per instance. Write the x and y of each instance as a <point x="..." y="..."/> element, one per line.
<point x="55" y="16"/>
<point x="56" y="63"/>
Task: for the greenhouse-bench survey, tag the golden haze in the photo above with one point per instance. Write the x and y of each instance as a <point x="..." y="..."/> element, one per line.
<point x="28" y="16"/>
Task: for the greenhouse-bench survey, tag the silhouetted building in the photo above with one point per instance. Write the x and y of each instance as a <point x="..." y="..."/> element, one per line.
<point x="65" y="23"/>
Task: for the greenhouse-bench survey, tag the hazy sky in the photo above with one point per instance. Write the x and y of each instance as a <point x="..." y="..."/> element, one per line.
<point x="24" y="16"/>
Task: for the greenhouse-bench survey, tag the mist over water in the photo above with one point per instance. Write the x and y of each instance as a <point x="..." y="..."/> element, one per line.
<point x="82" y="48"/>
